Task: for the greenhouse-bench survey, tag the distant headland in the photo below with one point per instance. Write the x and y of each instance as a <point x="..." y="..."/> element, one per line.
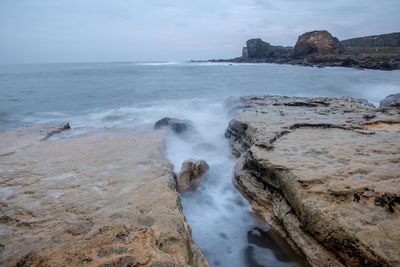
<point x="320" y="48"/>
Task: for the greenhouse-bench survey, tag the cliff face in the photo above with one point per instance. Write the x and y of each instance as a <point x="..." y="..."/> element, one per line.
<point x="317" y="43"/>
<point x="383" y="40"/>
<point x="324" y="172"/>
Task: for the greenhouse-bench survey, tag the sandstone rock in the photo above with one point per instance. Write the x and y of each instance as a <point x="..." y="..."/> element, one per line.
<point x="324" y="175"/>
<point x="190" y="173"/>
<point x="391" y="101"/>
<point x="176" y="125"/>
<point x="104" y="199"/>
<point x="317" y="43"/>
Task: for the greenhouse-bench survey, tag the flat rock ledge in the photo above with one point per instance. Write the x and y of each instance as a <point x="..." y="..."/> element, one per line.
<point x="324" y="172"/>
<point x="107" y="198"/>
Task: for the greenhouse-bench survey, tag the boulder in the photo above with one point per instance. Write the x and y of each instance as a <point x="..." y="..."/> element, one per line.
<point x="317" y="43"/>
<point x="190" y="172"/>
<point x="176" y="125"/>
<point x="391" y="101"/>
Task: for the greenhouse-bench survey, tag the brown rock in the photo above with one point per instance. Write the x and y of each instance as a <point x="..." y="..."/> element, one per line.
<point x="104" y="199"/>
<point x="303" y="163"/>
<point x="190" y="173"/>
<point x="317" y="43"/>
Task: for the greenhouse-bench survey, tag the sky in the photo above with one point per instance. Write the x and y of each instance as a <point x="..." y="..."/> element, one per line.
<point x="41" y="31"/>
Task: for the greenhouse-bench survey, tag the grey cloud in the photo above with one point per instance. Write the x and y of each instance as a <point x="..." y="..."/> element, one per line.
<point x="123" y="30"/>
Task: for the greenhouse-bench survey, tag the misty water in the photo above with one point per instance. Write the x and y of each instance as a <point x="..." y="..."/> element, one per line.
<point x="136" y="95"/>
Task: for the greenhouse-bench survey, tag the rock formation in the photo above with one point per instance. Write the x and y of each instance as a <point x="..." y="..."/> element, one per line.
<point x="320" y="48"/>
<point x="104" y="199"/>
<point x="324" y="172"/>
<point x="391" y="101"/>
<point x="258" y="49"/>
<point x="176" y="125"/>
<point x="190" y="173"/>
<point x="317" y="43"/>
<point x="383" y="40"/>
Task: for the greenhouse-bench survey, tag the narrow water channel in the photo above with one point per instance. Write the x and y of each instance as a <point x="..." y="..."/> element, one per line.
<point x="223" y="224"/>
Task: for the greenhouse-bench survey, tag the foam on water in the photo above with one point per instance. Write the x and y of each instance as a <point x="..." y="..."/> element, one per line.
<point x="220" y="218"/>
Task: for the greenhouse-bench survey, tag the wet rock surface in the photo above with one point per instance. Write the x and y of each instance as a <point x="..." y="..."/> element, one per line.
<point x="107" y="198"/>
<point x="190" y="173"/>
<point x="176" y="125"/>
<point x="324" y="173"/>
<point x="391" y="101"/>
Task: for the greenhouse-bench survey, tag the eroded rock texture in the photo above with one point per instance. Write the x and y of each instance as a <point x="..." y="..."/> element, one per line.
<point x="190" y="173"/>
<point x="317" y="43"/>
<point x="104" y="199"/>
<point x="325" y="173"/>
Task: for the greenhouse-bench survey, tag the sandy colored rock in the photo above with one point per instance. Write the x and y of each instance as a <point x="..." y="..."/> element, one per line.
<point x="324" y="172"/>
<point x="190" y="173"/>
<point x="317" y="42"/>
<point x="104" y="199"/>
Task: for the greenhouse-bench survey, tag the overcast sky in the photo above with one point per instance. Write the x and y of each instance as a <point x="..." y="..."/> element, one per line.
<point x="151" y="30"/>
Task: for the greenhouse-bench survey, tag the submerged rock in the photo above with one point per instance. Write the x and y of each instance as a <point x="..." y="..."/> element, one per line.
<point x="323" y="175"/>
<point x="317" y="43"/>
<point x="190" y="173"/>
<point x="103" y="199"/>
<point x="391" y="101"/>
<point x="176" y="125"/>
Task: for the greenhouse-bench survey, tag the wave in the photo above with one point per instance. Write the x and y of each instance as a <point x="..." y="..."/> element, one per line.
<point x="161" y="63"/>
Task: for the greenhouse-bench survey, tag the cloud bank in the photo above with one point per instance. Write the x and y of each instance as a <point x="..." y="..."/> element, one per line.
<point x="130" y="30"/>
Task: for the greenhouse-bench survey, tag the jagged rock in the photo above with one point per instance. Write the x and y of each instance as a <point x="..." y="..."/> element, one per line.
<point x="317" y="43"/>
<point x="190" y="172"/>
<point x="323" y="176"/>
<point x="176" y="125"/>
<point x="391" y="101"/>
<point x="258" y="49"/>
<point x="107" y="198"/>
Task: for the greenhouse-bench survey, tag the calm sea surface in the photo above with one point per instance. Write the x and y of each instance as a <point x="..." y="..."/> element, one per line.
<point x="138" y="94"/>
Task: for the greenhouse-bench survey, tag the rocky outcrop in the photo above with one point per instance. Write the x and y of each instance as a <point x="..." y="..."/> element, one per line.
<point x="258" y="49"/>
<point x="383" y="40"/>
<point x="324" y="172"/>
<point x="190" y="173"/>
<point x="391" y="101"/>
<point x="176" y="125"/>
<point x="317" y="43"/>
<point x="321" y="49"/>
<point x="107" y="198"/>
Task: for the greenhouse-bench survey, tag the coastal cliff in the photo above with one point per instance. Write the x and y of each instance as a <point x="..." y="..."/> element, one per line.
<point x="106" y="198"/>
<point x="323" y="172"/>
<point x="320" y="48"/>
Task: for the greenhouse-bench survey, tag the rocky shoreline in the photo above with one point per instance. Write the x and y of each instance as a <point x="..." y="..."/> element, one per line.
<point x="321" y="49"/>
<point x="107" y="198"/>
<point x="323" y="172"/>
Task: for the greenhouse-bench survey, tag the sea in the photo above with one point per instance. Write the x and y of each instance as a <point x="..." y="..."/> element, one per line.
<point x="137" y="94"/>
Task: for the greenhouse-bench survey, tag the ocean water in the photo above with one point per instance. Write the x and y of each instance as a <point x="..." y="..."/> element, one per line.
<point x="136" y="95"/>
